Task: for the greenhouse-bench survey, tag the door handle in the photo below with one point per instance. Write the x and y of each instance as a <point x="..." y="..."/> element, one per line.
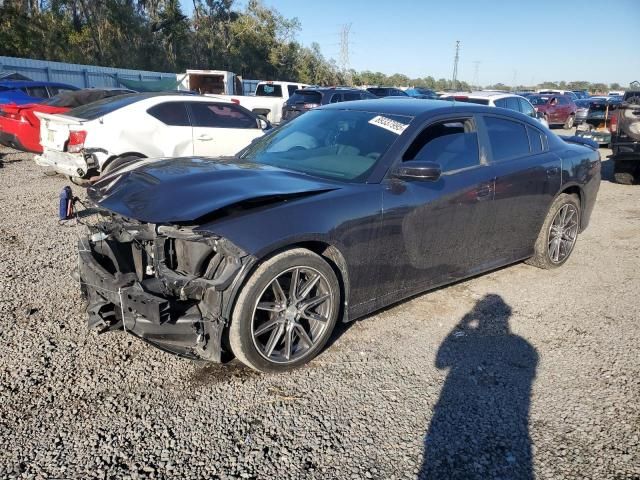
<point x="204" y="138"/>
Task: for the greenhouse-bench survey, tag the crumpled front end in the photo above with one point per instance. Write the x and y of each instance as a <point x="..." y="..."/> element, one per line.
<point x="165" y="284"/>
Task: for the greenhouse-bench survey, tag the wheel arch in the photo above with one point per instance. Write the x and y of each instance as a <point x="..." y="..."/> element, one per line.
<point x="575" y="189"/>
<point x="327" y="251"/>
<point x="122" y="155"/>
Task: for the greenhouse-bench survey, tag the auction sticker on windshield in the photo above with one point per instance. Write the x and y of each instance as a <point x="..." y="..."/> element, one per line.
<point x="388" y="124"/>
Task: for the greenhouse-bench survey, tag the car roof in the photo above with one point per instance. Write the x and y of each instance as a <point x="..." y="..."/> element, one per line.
<point x="329" y="89"/>
<point x="483" y="94"/>
<point x="412" y="107"/>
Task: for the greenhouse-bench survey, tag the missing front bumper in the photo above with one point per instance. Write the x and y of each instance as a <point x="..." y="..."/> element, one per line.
<point x="140" y="293"/>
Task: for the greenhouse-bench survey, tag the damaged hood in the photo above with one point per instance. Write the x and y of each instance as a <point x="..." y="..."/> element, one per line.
<point x="182" y="190"/>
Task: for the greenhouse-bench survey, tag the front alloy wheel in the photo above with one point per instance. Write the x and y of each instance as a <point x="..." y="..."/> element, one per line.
<point x="285" y="312"/>
<point x="285" y="326"/>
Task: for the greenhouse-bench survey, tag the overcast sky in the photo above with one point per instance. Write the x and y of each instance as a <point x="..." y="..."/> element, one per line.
<point x="597" y="41"/>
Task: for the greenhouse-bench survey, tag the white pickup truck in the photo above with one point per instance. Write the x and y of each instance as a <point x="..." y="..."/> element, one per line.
<point x="269" y="99"/>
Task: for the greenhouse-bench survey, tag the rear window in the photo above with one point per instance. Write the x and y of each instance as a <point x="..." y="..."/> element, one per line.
<point x="303" y="96"/>
<point x="508" y="139"/>
<point x="380" y="92"/>
<point x="102" y="107"/>
<point x="537" y="100"/>
<point x="479" y="101"/>
<point x="268" y="90"/>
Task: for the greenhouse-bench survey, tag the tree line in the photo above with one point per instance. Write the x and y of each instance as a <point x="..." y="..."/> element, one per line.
<point x="253" y="40"/>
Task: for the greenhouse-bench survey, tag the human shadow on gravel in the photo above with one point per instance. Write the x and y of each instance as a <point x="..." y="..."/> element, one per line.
<point x="480" y="425"/>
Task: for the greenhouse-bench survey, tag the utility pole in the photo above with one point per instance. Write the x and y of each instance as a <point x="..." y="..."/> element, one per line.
<point x="344" y="53"/>
<point x="476" y="74"/>
<point x="455" y="65"/>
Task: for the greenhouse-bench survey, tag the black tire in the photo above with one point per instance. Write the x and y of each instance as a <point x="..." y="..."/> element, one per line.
<point x="569" y="122"/>
<point x="623" y="172"/>
<point x="542" y="257"/>
<point x="119" y="162"/>
<point x="253" y="350"/>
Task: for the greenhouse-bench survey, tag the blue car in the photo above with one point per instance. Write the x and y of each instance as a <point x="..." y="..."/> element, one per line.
<point x="21" y="92"/>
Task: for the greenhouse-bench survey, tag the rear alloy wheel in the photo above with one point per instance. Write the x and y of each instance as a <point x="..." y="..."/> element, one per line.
<point x="559" y="233"/>
<point x="569" y="123"/>
<point x="286" y="312"/>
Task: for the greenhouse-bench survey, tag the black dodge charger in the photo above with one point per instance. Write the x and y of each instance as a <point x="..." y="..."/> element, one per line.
<point x="347" y="209"/>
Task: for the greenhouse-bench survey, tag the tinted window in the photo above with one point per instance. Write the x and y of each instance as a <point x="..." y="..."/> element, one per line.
<point x="220" y="115"/>
<point x="351" y="96"/>
<point x="537" y="100"/>
<point x="291" y="89"/>
<point x="336" y="97"/>
<point x="535" y="140"/>
<point x="526" y="108"/>
<point x="305" y="96"/>
<point x="395" y="92"/>
<point x="39" y="92"/>
<point x="100" y="108"/>
<point x="171" y="113"/>
<point x="453" y="144"/>
<point x="502" y="103"/>
<point x="367" y="96"/>
<point x="337" y="144"/>
<point x="379" y="92"/>
<point x="563" y="100"/>
<point x="512" y="104"/>
<point x="268" y="90"/>
<point x="478" y="101"/>
<point x="508" y="139"/>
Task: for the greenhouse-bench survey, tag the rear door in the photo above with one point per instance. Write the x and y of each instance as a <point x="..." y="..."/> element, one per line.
<point x="172" y="131"/>
<point x="221" y="129"/>
<point x="527" y="177"/>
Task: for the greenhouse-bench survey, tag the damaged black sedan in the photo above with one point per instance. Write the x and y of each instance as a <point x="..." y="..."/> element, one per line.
<point x="347" y="209"/>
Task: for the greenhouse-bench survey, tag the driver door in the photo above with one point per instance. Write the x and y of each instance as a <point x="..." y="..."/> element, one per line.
<point x="440" y="228"/>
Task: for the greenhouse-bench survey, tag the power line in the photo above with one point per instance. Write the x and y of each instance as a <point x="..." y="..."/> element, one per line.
<point x="476" y="74"/>
<point x="344" y="52"/>
<point x="455" y="65"/>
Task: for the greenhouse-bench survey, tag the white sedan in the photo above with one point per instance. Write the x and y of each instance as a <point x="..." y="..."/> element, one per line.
<point x="101" y="136"/>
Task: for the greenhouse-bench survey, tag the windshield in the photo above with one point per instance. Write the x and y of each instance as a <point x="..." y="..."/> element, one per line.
<point x="538" y="100"/>
<point x="582" y="103"/>
<point x="336" y="144"/>
<point x="91" y="111"/>
<point x="268" y="90"/>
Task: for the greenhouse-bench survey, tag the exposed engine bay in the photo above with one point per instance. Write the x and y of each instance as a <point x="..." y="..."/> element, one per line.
<point x="164" y="284"/>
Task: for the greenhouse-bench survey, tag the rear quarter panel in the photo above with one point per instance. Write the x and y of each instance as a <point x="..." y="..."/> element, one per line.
<point x="581" y="167"/>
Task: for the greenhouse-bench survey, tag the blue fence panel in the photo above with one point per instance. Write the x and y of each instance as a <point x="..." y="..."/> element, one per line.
<point x="82" y="76"/>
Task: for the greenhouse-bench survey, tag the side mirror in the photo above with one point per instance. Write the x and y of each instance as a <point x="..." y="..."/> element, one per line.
<point x="263" y="123"/>
<point x="418" y="170"/>
<point x="539" y="115"/>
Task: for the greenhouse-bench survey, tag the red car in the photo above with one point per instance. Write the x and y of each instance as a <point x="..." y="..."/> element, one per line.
<point x="20" y="128"/>
<point x="557" y="109"/>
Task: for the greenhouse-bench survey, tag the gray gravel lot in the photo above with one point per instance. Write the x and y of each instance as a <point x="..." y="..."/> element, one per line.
<point x="520" y="373"/>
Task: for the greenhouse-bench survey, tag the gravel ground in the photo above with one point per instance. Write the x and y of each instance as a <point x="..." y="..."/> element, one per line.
<point x="520" y="373"/>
